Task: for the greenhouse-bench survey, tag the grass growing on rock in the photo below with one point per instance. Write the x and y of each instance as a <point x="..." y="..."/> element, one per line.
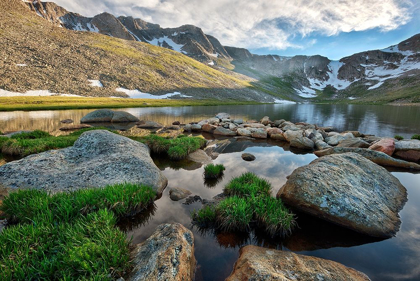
<point x="212" y="171"/>
<point x="176" y="148"/>
<point x="248" y="205"/>
<point x="69" y="236"/>
<point x="415" y="137"/>
<point x="398" y="137"/>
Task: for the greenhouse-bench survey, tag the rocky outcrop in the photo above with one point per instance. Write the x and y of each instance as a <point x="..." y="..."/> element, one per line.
<point x="385" y="145"/>
<point x="98" y="158"/>
<point x="347" y="190"/>
<point x="377" y="157"/>
<point x="177" y="193"/>
<point x="257" y="263"/>
<point x="408" y="150"/>
<point x="107" y="115"/>
<point x="166" y="255"/>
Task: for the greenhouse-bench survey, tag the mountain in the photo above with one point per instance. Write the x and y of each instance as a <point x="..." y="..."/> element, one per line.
<point x="39" y="54"/>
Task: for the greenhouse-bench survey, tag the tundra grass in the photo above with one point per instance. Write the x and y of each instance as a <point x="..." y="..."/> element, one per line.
<point x="398" y="137"/>
<point x="234" y="214"/>
<point x="212" y="171"/>
<point x="248" y="184"/>
<point x="59" y="103"/>
<point x="415" y="137"/>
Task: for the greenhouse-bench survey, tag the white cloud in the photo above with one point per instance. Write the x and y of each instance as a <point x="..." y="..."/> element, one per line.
<point x="263" y="23"/>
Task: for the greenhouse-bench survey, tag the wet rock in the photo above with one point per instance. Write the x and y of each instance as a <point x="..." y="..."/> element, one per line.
<point x="195" y="127"/>
<point x="350" y="191"/>
<point x="259" y="133"/>
<point x="223" y="115"/>
<point x="199" y="156"/>
<point x="192" y="199"/>
<point x="353" y="143"/>
<point x="408" y="150"/>
<point x="149" y="125"/>
<point x="257" y="263"/>
<point x="177" y="193"/>
<point x="224" y="132"/>
<point x="107" y="115"/>
<point x="385" y="145"/>
<point x="75" y="127"/>
<point x="265" y="120"/>
<point x="243" y="132"/>
<point x="177" y="123"/>
<point x="208" y="128"/>
<point x="377" y="157"/>
<point x="98" y="158"/>
<point x="67" y="121"/>
<point x="248" y="157"/>
<point x="166" y="255"/>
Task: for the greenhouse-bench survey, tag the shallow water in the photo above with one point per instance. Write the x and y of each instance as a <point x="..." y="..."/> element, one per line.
<point x="216" y="253"/>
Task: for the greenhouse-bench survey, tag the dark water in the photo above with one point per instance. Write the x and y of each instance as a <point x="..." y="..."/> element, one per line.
<point x="368" y="119"/>
<point x="392" y="259"/>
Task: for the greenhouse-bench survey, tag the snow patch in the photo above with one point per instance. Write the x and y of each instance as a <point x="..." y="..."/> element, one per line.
<point x="211" y="63"/>
<point x="351" y="98"/>
<point x="333" y="80"/>
<point x="306" y="92"/>
<point x="95" y="83"/>
<point x="136" y="94"/>
<point x="277" y="101"/>
<point x="216" y="55"/>
<point x="36" y="93"/>
<point x="375" y="86"/>
<point x="395" y="49"/>
<point x="159" y="42"/>
<point x="92" y="27"/>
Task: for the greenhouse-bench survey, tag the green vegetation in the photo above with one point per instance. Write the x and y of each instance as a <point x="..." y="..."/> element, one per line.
<point x="415" y="137"/>
<point x="212" y="171"/>
<point x="176" y="148"/>
<point x="24" y="144"/>
<point x="247" y="185"/>
<point x="68" y="236"/>
<point x="398" y="137"/>
<point x="248" y="204"/>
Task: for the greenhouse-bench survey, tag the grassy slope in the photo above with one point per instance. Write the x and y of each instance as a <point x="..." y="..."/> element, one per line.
<point x="62" y="61"/>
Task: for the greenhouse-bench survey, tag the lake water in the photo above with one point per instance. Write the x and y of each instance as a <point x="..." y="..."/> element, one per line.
<point x="392" y="259"/>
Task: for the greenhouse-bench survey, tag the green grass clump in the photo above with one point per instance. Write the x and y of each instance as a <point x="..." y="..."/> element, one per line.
<point x="205" y="217"/>
<point x="69" y="236"/>
<point x="248" y="184"/>
<point x="37" y="134"/>
<point x="176" y="148"/>
<point x="25" y="206"/>
<point x="234" y="214"/>
<point x="89" y="248"/>
<point x="415" y="137"/>
<point x="398" y="137"/>
<point x="212" y="171"/>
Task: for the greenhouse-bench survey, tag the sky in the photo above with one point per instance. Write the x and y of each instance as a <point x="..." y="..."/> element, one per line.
<point x="332" y="28"/>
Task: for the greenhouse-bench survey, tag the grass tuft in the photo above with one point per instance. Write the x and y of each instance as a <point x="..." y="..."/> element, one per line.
<point x="415" y="137"/>
<point x="37" y="134"/>
<point x="205" y="217"/>
<point x="398" y="137"/>
<point x="212" y="171"/>
<point x="234" y="214"/>
<point x="248" y="184"/>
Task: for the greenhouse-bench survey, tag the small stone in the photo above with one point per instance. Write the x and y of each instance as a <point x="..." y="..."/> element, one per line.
<point x="176" y="123"/>
<point x="67" y="121"/>
<point x="178" y="193"/>
<point x="248" y="157"/>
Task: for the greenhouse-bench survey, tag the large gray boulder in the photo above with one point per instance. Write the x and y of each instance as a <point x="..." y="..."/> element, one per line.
<point x="257" y="263"/>
<point x="350" y="191"/>
<point x="107" y="115"/>
<point x="98" y="158"/>
<point x="166" y="255"/>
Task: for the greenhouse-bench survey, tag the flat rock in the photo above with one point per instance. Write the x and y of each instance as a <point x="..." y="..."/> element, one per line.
<point x="208" y="128"/>
<point x="177" y="193"/>
<point x="377" y="157"/>
<point x="259" y="133"/>
<point x="353" y="143"/>
<point x="199" y="156"/>
<point x="166" y="255"/>
<point x="243" y="132"/>
<point x="67" y="121"/>
<point x="248" y="157"/>
<point x="350" y="191"/>
<point x="222" y="115"/>
<point x="146" y="124"/>
<point x="98" y="158"/>
<point x="107" y="115"/>
<point x="224" y="132"/>
<point x="195" y="127"/>
<point x="408" y="150"/>
<point x="320" y="145"/>
<point x="257" y="263"/>
<point x="75" y="127"/>
<point x="302" y="143"/>
<point x="385" y="145"/>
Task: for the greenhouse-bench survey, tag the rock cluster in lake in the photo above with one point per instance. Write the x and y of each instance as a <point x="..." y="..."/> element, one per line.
<point x="98" y="158"/>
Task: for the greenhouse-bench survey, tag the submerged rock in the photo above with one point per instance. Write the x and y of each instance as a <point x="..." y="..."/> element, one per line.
<point x="98" y="158"/>
<point x="166" y="255"/>
<point x="350" y="191"/>
<point x="177" y="193"/>
<point x="107" y="115"/>
<point x="257" y="263"/>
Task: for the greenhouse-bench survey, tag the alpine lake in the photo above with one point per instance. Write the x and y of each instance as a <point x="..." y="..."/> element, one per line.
<point x="391" y="259"/>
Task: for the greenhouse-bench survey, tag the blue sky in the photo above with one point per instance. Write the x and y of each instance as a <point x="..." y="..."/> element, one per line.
<point x="285" y="27"/>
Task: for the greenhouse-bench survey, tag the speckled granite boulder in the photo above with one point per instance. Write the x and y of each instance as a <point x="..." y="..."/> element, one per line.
<point x="107" y="115"/>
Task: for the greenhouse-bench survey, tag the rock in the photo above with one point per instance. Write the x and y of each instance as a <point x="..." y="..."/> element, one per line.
<point x="279" y="137"/>
<point x="238" y="121"/>
<point x="259" y="134"/>
<point x="171" y="128"/>
<point x="223" y="115"/>
<point x="254" y="125"/>
<point x="289" y="126"/>
<point x="274" y="131"/>
<point x="224" y="132"/>
<point x="292" y="135"/>
<point x="195" y="127"/>
<point x="232" y="126"/>
<point x="335" y="139"/>
<point x="265" y="120"/>
<point x="377" y="157"/>
<point x="177" y="193"/>
<point x="98" y="158"/>
<point x="302" y="143"/>
<point x="187" y="127"/>
<point x="213" y="121"/>
<point x="327" y="129"/>
<point x="149" y="125"/>
<point x="277" y="123"/>
<point x="248" y="157"/>
<point x="385" y="145"/>
<point x="371" y="139"/>
<point x="258" y="263"/>
<point x="166" y="255"/>
<point x="177" y="123"/>
<point x="208" y="128"/>
<point x="353" y="143"/>
<point x="202" y="122"/>
<point x="320" y="145"/>
<point x="67" y="121"/>
<point x="244" y="132"/>
<point x="199" y="156"/>
<point x="107" y="115"/>
<point x="350" y="191"/>
<point x="75" y="127"/>
<point x="356" y="134"/>
<point x="408" y="150"/>
<point x="226" y="120"/>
